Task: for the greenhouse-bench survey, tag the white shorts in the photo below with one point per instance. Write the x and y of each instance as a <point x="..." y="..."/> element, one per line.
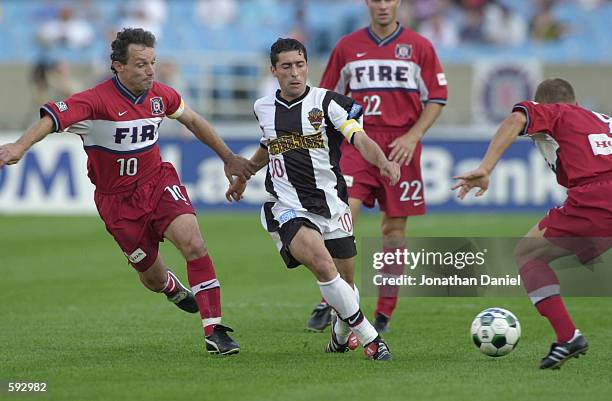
<point x="282" y="224"/>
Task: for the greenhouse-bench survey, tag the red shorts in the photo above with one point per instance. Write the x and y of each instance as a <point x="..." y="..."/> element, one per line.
<point x="138" y="217"/>
<point x="583" y="224"/>
<point x="365" y="183"/>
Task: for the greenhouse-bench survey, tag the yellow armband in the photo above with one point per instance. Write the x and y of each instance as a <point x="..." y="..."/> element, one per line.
<point x="348" y="129"/>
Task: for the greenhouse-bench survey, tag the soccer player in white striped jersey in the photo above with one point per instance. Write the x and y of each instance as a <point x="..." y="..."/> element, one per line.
<point x="307" y="214"/>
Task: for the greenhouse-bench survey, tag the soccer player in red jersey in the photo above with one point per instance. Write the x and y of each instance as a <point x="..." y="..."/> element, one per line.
<point x="395" y="74"/>
<point x="577" y="145"/>
<point x="139" y="197"/>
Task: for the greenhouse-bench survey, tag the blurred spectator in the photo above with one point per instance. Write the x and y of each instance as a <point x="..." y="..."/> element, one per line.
<point x="472" y="29"/>
<point x="168" y="73"/>
<point x="52" y="81"/>
<point x="299" y="29"/>
<point x="544" y="26"/>
<point x="47" y="10"/>
<point x="66" y="31"/>
<point x="216" y="13"/>
<point x="149" y="15"/>
<point x="438" y="27"/>
<point x="503" y="26"/>
<point x="405" y="15"/>
<point x="61" y="81"/>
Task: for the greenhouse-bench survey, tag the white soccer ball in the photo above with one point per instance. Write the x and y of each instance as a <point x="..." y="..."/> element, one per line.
<point x="495" y="331"/>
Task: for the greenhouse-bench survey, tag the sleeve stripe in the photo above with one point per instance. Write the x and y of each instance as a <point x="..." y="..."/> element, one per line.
<point x="179" y="112"/>
<point x="51" y="113"/>
<point x="524" y="109"/>
<point x="439" y="101"/>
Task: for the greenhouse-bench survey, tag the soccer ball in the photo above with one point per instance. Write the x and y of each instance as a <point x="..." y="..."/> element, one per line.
<point x="495" y="331"/>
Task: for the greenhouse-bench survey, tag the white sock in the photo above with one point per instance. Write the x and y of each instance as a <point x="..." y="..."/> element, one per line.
<point x="343" y="299"/>
<point x="340" y="296"/>
<point x="341" y="328"/>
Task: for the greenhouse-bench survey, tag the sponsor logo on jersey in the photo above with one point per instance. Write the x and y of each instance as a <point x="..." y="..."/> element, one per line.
<point x="136" y="256"/>
<point x="296" y="141"/>
<point x="601" y="144"/>
<point x="370" y="73"/>
<point x="403" y="51"/>
<point x="61" y="106"/>
<point x="288" y="215"/>
<point x="315" y="116"/>
<point x="157" y="106"/>
<point x="361" y="54"/>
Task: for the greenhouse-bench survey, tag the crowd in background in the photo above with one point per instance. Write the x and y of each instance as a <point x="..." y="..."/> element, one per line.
<point x="62" y="32"/>
<point x="447" y="23"/>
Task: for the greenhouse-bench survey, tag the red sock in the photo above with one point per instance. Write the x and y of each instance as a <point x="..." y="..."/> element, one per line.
<point x="554" y="310"/>
<point x="542" y="286"/>
<point x="387" y="295"/>
<point x="204" y="283"/>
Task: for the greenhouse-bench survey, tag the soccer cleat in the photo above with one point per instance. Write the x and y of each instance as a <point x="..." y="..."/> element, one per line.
<point x="219" y="342"/>
<point x="353" y="341"/>
<point x="561" y="352"/>
<point x="320" y="318"/>
<point x="381" y="323"/>
<point x="183" y="298"/>
<point x="335" y="346"/>
<point x="377" y="350"/>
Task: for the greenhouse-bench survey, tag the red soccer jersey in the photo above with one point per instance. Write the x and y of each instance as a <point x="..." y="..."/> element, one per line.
<point x="390" y="78"/>
<point x="575" y="142"/>
<point x="119" y="130"/>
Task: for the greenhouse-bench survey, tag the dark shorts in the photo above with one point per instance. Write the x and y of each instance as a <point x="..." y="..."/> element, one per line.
<point x="583" y="224"/>
<point x="365" y="183"/>
<point x="138" y="217"/>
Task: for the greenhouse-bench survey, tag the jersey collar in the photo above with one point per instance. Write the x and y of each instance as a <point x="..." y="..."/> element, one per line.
<point x="382" y="42"/>
<point x="295" y="101"/>
<point x="126" y="92"/>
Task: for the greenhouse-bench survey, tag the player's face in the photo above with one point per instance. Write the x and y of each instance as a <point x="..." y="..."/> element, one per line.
<point x="291" y="70"/>
<point x="383" y="12"/>
<point x="139" y="71"/>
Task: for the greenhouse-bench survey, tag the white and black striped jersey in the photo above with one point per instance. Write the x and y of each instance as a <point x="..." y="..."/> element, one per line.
<point x="303" y="139"/>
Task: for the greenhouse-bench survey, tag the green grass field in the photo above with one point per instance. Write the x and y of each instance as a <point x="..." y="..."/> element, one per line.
<point x="74" y="315"/>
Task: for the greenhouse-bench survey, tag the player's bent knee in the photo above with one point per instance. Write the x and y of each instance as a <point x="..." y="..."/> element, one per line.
<point x="193" y="248"/>
<point x="323" y="268"/>
<point x="529" y="248"/>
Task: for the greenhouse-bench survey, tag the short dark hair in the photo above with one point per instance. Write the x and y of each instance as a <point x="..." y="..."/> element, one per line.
<point x="127" y="37"/>
<point x="555" y="90"/>
<point x="286" y="45"/>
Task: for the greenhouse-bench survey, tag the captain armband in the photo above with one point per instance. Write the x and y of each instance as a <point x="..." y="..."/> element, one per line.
<point x="348" y="129"/>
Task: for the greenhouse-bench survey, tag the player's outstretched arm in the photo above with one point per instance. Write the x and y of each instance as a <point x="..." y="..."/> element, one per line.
<point x="238" y="185"/>
<point x="11" y="153"/>
<point x="234" y="165"/>
<point x="402" y="148"/>
<point x="374" y="155"/>
<point x="506" y="134"/>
